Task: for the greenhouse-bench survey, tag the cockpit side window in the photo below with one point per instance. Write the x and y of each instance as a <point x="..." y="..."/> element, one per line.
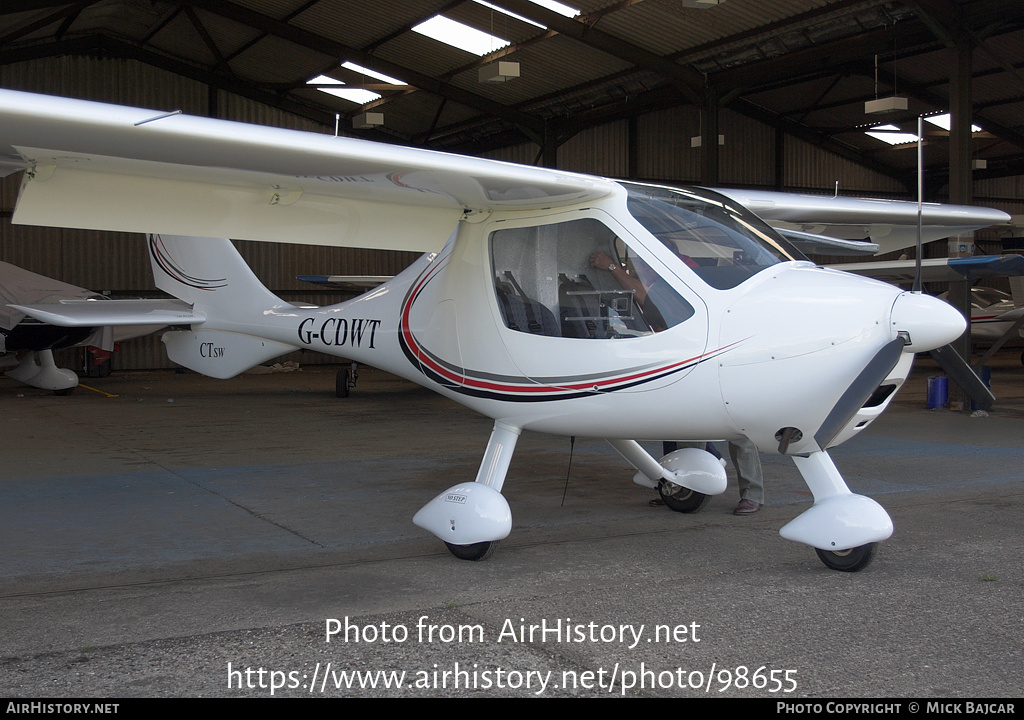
<point x="577" y="279"/>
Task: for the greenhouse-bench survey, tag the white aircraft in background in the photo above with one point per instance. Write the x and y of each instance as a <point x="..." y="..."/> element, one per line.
<point x="995" y="315"/>
<point x="27" y="344"/>
<point x="548" y="301"/>
<point x="867" y="225"/>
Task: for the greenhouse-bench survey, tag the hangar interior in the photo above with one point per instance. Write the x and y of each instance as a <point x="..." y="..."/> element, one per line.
<point x="156" y="542"/>
<point x="623" y="88"/>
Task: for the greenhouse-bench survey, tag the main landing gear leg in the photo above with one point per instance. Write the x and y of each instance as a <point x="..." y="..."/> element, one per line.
<point x="843" y="528"/>
<point x="471" y="517"/>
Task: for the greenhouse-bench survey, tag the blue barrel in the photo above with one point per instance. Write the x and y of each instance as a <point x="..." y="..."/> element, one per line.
<point x="938" y="392"/>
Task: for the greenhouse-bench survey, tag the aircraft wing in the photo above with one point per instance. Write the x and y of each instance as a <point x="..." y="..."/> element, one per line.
<point x="940" y="269"/>
<point x="814" y="244"/>
<point x="892" y="224"/>
<point x="98" y="166"/>
<point x="114" y="313"/>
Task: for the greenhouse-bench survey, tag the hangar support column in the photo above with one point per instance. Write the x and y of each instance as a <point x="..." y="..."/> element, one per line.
<point x="961" y="190"/>
<point x="709" y="137"/>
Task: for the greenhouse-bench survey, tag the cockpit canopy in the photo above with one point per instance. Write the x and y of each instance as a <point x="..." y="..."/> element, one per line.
<point x="576" y="277"/>
<point x="721" y="241"/>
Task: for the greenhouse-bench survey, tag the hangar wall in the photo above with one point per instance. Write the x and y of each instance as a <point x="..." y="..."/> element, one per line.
<point x="747" y="158"/>
<point x="117" y="262"/>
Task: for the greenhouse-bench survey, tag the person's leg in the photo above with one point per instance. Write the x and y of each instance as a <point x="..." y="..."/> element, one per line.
<point x="747" y="462"/>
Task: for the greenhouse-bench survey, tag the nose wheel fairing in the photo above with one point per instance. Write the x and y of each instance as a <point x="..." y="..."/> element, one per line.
<point x="839" y="520"/>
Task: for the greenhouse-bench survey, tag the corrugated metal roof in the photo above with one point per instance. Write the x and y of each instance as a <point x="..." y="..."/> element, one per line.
<point x="799" y="64"/>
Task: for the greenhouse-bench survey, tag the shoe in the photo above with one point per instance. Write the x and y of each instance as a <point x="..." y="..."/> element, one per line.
<point x="746" y="507"/>
<point x="656" y="502"/>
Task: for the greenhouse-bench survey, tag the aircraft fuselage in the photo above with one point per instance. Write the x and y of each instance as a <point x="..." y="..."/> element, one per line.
<point x="513" y="320"/>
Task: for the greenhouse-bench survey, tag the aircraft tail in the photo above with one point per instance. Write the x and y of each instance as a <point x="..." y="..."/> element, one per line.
<point x="209" y="274"/>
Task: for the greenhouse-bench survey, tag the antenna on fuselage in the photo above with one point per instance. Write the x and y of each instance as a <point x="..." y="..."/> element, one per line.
<point x="572" y="446"/>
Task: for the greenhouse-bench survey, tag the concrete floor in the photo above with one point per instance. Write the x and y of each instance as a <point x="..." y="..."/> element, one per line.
<point x="166" y="540"/>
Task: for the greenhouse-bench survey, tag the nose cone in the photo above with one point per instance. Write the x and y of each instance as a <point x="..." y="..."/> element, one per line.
<point x="929" y="321"/>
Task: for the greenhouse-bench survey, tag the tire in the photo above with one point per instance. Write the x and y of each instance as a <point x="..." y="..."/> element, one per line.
<point x="476" y="551"/>
<point x="850" y="560"/>
<point x="684" y="501"/>
<point x="341" y="383"/>
<point x="64" y="391"/>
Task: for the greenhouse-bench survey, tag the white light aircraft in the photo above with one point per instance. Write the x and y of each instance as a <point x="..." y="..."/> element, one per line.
<point x="993" y="314"/>
<point x="548" y="301"/>
<point x="888" y="224"/>
<point x="27" y="344"/>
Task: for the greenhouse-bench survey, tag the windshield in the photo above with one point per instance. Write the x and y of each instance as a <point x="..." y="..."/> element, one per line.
<point x="721" y="241"/>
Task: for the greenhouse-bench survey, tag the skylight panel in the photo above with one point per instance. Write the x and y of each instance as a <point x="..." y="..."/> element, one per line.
<point x="460" y="36"/>
<point x="324" y="80"/>
<point x="564" y="10"/>
<point x="349" y="65"/>
<point x="355" y="95"/>
<point x="892" y="135"/>
<point x="944" y="122"/>
<point x="569" y="12"/>
<point x="511" y="14"/>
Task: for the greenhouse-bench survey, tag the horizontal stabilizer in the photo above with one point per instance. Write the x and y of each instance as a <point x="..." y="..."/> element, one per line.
<point x="355" y="283"/>
<point x="220" y="354"/>
<point x="101" y="313"/>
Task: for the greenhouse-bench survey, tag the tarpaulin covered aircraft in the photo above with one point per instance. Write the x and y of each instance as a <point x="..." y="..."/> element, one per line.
<point x="27" y="344"/>
<point x="546" y="300"/>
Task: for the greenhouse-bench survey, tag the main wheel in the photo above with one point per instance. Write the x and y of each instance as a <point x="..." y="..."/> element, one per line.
<point x="341" y="383"/>
<point x="850" y="560"/>
<point x="684" y="501"/>
<point x="476" y="551"/>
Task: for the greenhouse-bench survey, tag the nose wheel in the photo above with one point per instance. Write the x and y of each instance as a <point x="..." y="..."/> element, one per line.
<point x="850" y="560"/>
<point x="683" y="500"/>
<point x="476" y="551"/>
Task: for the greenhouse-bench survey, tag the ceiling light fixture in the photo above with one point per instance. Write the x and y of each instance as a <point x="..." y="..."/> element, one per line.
<point x="498" y="71"/>
<point x="368" y="120"/>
